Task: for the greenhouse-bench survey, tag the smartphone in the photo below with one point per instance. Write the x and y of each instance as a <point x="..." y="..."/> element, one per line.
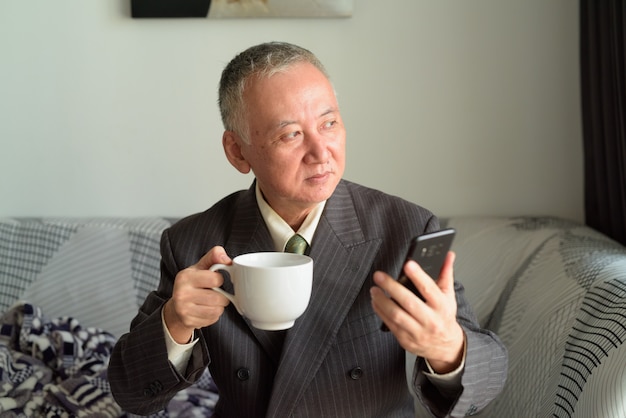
<point x="429" y="251"/>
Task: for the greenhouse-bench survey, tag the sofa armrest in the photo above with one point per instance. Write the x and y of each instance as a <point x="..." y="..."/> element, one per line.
<point x="559" y="307"/>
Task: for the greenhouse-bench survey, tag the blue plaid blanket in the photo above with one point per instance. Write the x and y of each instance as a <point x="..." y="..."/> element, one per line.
<point x="57" y="368"/>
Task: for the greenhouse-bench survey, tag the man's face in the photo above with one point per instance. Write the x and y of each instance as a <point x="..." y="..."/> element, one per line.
<point x="297" y="138"/>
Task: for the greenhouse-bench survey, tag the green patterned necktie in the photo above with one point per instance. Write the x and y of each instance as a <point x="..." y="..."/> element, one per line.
<point x="296" y="244"/>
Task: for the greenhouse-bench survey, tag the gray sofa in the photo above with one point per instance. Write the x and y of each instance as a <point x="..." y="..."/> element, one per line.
<point x="554" y="290"/>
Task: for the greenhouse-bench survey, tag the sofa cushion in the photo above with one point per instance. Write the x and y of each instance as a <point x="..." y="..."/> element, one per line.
<point x="96" y="270"/>
<point x="88" y="278"/>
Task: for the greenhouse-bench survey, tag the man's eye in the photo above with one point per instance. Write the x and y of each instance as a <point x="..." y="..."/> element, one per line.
<point x="330" y="124"/>
<point x="291" y="135"/>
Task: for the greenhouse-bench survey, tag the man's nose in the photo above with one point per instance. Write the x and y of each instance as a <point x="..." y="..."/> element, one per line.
<point x="317" y="151"/>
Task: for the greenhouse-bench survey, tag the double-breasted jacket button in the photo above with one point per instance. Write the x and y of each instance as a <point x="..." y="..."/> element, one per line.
<point x="153" y="389"/>
<point x="356" y="373"/>
<point x="243" y="374"/>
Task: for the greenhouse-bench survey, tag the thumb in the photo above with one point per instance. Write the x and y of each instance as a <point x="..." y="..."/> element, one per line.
<point x="216" y="255"/>
<point x="446" y="277"/>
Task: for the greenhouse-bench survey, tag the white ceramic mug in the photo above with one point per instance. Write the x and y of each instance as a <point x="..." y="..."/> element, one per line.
<point x="271" y="289"/>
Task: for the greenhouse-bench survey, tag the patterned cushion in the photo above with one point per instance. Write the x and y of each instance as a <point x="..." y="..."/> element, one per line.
<point x="96" y="270"/>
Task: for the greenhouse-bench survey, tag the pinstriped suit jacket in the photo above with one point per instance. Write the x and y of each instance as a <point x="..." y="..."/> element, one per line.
<point x="335" y="360"/>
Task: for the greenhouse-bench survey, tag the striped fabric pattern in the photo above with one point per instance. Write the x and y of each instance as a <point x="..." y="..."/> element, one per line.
<point x="61" y="263"/>
<point x="25" y="247"/>
<point x="559" y="305"/>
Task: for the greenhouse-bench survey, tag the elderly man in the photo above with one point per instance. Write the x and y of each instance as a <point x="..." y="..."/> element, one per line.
<point x="283" y="123"/>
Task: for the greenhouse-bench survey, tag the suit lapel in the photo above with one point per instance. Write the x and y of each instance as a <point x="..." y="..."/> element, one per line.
<point x="248" y="232"/>
<point x="346" y="259"/>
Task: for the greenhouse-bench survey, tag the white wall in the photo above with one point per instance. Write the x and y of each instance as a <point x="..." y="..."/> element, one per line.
<point x="466" y="107"/>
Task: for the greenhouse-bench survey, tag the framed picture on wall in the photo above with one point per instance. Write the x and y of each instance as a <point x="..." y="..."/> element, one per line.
<point x="222" y="9"/>
<point x="280" y="8"/>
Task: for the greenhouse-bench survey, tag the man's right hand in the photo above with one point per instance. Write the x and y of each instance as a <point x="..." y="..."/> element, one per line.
<point x="193" y="303"/>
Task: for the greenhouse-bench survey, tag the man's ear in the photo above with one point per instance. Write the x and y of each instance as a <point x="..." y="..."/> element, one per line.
<point x="232" y="147"/>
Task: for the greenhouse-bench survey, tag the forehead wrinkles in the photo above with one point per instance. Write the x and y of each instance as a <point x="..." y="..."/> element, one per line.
<point x="302" y="94"/>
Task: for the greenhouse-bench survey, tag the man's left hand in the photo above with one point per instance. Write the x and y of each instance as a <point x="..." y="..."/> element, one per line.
<point x="428" y="328"/>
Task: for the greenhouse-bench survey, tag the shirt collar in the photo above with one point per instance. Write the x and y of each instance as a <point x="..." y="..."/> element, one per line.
<point x="280" y="230"/>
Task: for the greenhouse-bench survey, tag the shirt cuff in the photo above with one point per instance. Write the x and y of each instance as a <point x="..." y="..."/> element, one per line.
<point x="177" y="354"/>
<point x="451" y="380"/>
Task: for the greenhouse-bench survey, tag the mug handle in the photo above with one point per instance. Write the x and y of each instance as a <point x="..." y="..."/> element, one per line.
<point x="229" y="296"/>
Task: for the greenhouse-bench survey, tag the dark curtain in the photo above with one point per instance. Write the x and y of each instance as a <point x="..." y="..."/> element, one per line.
<point x="603" y="87"/>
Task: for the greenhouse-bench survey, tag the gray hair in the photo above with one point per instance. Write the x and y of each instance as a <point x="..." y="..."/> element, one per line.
<point x="263" y="60"/>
